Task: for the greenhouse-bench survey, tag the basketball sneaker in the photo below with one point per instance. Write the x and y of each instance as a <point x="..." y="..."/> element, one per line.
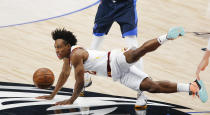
<point x="175" y="32"/>
<point x="141" y="102"/>
<point x="198" y="88"/>
<point x="82" y="93"/>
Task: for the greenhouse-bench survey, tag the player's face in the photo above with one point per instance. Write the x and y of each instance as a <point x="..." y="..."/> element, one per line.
<point x="62" y="49"/>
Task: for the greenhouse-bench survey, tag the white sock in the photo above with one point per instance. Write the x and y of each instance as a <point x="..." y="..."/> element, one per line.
<point x="183" y="87"/>
<point x="162" y="39"/>
<point x="97" y="40"/>
<point x="131" y="41"/>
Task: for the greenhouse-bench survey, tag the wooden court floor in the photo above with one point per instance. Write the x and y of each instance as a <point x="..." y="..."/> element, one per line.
<point x="25" y="48"/>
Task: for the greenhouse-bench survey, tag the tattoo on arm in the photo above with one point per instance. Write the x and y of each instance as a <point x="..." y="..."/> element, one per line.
<point x="77" y="62"/>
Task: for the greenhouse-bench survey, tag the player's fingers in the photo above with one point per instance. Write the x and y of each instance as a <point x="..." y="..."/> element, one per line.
<point x="49" y="98"/>
<point x="40" y="97"/>
<point x="203" y="68"/>
<point x="57" y="103"/>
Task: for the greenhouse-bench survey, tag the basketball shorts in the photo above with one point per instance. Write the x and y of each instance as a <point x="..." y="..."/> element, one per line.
<point x="121" y="11"/>
<point x="127" y="74"/>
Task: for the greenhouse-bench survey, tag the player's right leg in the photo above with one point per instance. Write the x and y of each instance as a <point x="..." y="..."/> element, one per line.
<point x="151" y="45"/>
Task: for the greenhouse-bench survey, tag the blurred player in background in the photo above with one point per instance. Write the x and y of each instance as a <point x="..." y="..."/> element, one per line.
<point x="204" y="62"/>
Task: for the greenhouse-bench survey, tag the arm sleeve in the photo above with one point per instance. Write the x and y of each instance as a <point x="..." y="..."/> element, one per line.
<point x="208" y="47"/>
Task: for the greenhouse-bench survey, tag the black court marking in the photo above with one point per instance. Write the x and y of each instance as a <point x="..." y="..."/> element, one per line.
<point x="19" y="105"/>
<point x="205" y="35"/>
<point x="201" y="34"/>
<point x="15" y="102"/>
<point x="9" y="97"/>
<point x="203" y="49"/>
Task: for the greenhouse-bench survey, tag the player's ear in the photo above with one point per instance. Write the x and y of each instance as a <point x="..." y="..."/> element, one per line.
<point x="68" y="45"/>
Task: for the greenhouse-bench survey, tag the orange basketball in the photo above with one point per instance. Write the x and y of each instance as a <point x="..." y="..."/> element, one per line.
<point x="43" y="78"/>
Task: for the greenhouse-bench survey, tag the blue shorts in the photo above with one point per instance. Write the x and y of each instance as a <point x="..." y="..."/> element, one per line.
<point x="121" y="11"/>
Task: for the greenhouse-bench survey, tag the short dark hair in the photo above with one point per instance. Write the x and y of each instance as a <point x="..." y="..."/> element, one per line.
<point x="67" y="36"/>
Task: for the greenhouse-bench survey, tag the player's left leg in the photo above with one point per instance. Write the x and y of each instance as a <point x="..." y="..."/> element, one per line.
<point x="160" y="86"/>
<point x="194" y="88"/>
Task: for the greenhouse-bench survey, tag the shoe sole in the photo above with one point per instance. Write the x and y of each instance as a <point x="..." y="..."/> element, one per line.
<point x="138" y="107"/>
<point x="82" y="93"/>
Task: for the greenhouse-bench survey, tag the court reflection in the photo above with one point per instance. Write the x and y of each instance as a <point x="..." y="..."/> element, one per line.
<point x="81" y="111"/>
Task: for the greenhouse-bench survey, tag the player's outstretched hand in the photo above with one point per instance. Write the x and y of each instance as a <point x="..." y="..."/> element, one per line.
<point x="65" y="102"/>
<point x="47" y="97"/>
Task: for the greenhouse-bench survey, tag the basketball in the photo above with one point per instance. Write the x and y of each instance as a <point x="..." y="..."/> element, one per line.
<point x="43" y="78"/>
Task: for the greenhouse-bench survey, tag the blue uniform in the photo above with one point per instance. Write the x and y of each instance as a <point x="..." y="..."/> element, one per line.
<point x="121" y="11"/>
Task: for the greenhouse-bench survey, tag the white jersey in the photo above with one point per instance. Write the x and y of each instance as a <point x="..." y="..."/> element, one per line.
<point x="96" y="62"/>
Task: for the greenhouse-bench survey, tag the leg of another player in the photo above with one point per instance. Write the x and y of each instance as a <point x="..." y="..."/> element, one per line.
<point x="132" y="43"/>
<point x="96" y="42"/>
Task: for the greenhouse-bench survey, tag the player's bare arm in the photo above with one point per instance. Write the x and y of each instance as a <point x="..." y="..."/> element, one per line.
<point x="203" y="64"/>
<point x="77" y="60"/>
<point x="66" y="69"/>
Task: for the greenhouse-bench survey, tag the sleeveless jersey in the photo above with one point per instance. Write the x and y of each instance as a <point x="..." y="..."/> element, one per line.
<point x="96" y="62"/>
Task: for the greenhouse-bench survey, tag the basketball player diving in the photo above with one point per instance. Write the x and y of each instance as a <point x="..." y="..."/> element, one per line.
<point x="116" y="64"/>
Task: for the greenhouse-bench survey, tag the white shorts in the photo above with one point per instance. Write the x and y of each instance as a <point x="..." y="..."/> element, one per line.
<point x="127" y="74"/>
